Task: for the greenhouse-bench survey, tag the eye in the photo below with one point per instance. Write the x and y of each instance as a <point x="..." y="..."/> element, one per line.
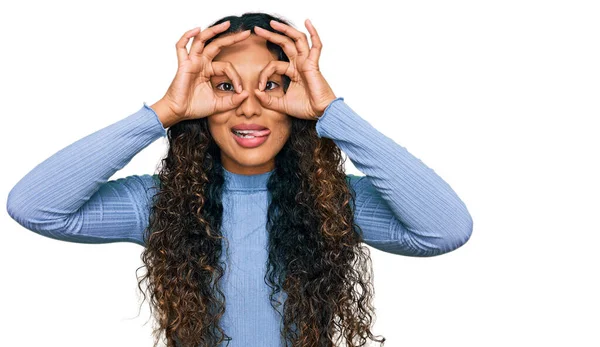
<point x="226" y="83"/>
<point x="233" y="89"/>
<point x="268" y="84"/>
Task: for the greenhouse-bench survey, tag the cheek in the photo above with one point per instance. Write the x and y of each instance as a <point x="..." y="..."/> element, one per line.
<point x="217" y="120"/>
<point x="217" y="127"/>
<point x="284" y="133"/>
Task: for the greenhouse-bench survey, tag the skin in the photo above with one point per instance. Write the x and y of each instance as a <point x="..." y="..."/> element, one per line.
<point x="306" y="98"/>
<point x="249" y="58"/>
<point x="257" y="97"/>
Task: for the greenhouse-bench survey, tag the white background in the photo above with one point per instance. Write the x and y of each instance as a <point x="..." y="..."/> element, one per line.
<point x="500" y="98"/>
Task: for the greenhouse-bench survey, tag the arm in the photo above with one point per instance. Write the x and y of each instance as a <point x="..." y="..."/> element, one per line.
<point x="67" y="196"/>
<point x="402" y="206"/>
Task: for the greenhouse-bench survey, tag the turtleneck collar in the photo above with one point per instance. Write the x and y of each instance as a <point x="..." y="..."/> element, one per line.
<point x="235" y="181"/>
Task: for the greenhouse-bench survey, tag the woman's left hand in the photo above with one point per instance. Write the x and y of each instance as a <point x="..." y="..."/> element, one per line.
<point x="308" y="94"/>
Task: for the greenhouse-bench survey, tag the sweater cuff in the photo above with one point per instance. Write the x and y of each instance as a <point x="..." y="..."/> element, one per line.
<point x="157" y="124"/>
<point x="321" y="120"/>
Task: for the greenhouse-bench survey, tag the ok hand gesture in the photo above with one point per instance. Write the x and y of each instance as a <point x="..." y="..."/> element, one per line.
<point x="308" y="94"/>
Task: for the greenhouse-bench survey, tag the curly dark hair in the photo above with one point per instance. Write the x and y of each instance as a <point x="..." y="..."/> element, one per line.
<point x="315" y="250"/>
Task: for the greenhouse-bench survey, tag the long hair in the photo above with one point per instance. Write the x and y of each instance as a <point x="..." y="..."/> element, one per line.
<point x="315" y="250"/>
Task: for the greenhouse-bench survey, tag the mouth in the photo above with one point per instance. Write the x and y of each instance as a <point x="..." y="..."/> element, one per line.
<point x="250" y="138"/>
<point x="250" y="134"/>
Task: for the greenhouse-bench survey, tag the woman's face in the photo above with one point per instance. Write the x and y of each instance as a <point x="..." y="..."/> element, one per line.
<point x="248" y="58"/>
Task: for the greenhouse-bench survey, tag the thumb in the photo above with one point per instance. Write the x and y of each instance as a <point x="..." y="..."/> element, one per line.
<point x="227" y="103"/>
<point x="268" y="101"/>
<point x="236" y="99"/>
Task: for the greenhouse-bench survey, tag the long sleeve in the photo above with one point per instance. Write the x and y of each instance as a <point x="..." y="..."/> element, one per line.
<point x="67" y="196"/>
<point x="402" y="206"/>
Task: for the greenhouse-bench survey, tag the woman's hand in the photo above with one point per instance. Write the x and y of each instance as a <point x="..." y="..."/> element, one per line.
<point x="191" y="94"/>
<point x="308" y="94"/>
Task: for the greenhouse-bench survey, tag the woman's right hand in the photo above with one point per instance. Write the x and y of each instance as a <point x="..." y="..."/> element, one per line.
<point x="191" y="94"/>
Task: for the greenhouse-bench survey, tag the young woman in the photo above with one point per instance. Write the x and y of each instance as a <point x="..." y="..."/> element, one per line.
<point x="252" y="232"/>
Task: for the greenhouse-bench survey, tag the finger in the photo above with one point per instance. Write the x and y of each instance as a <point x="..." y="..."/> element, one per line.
<point x="298" y="36"/>
<point x="317" y="45"/>
<point x="230" y="101"/>
<point x="276" y="67"/>
<point x="272" y="102"/>
<point x="213" y="49"/>
<point x="225" y="68"/>
<point x="202" y="37"/>
<point x="182" y="54"/>
<point x="288" y="45"/>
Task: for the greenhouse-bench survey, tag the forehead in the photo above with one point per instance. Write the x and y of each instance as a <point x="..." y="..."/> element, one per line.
<point x="250" y="55"/>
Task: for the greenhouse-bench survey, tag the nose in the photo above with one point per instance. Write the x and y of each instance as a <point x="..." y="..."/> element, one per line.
<point x="251" y="105"/>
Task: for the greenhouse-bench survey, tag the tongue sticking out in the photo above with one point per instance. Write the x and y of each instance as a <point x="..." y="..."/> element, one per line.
<point x="263" y="132"/>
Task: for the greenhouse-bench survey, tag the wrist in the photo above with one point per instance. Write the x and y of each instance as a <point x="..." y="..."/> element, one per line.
<point x="165" y="114"/>
<point x="327" y="104"/>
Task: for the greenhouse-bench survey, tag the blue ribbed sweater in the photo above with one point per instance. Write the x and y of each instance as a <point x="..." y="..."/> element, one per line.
<point x="402" y="205"/>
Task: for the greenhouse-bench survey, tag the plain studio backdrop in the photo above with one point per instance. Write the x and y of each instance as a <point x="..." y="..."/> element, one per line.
<point x="500" y="98"/>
